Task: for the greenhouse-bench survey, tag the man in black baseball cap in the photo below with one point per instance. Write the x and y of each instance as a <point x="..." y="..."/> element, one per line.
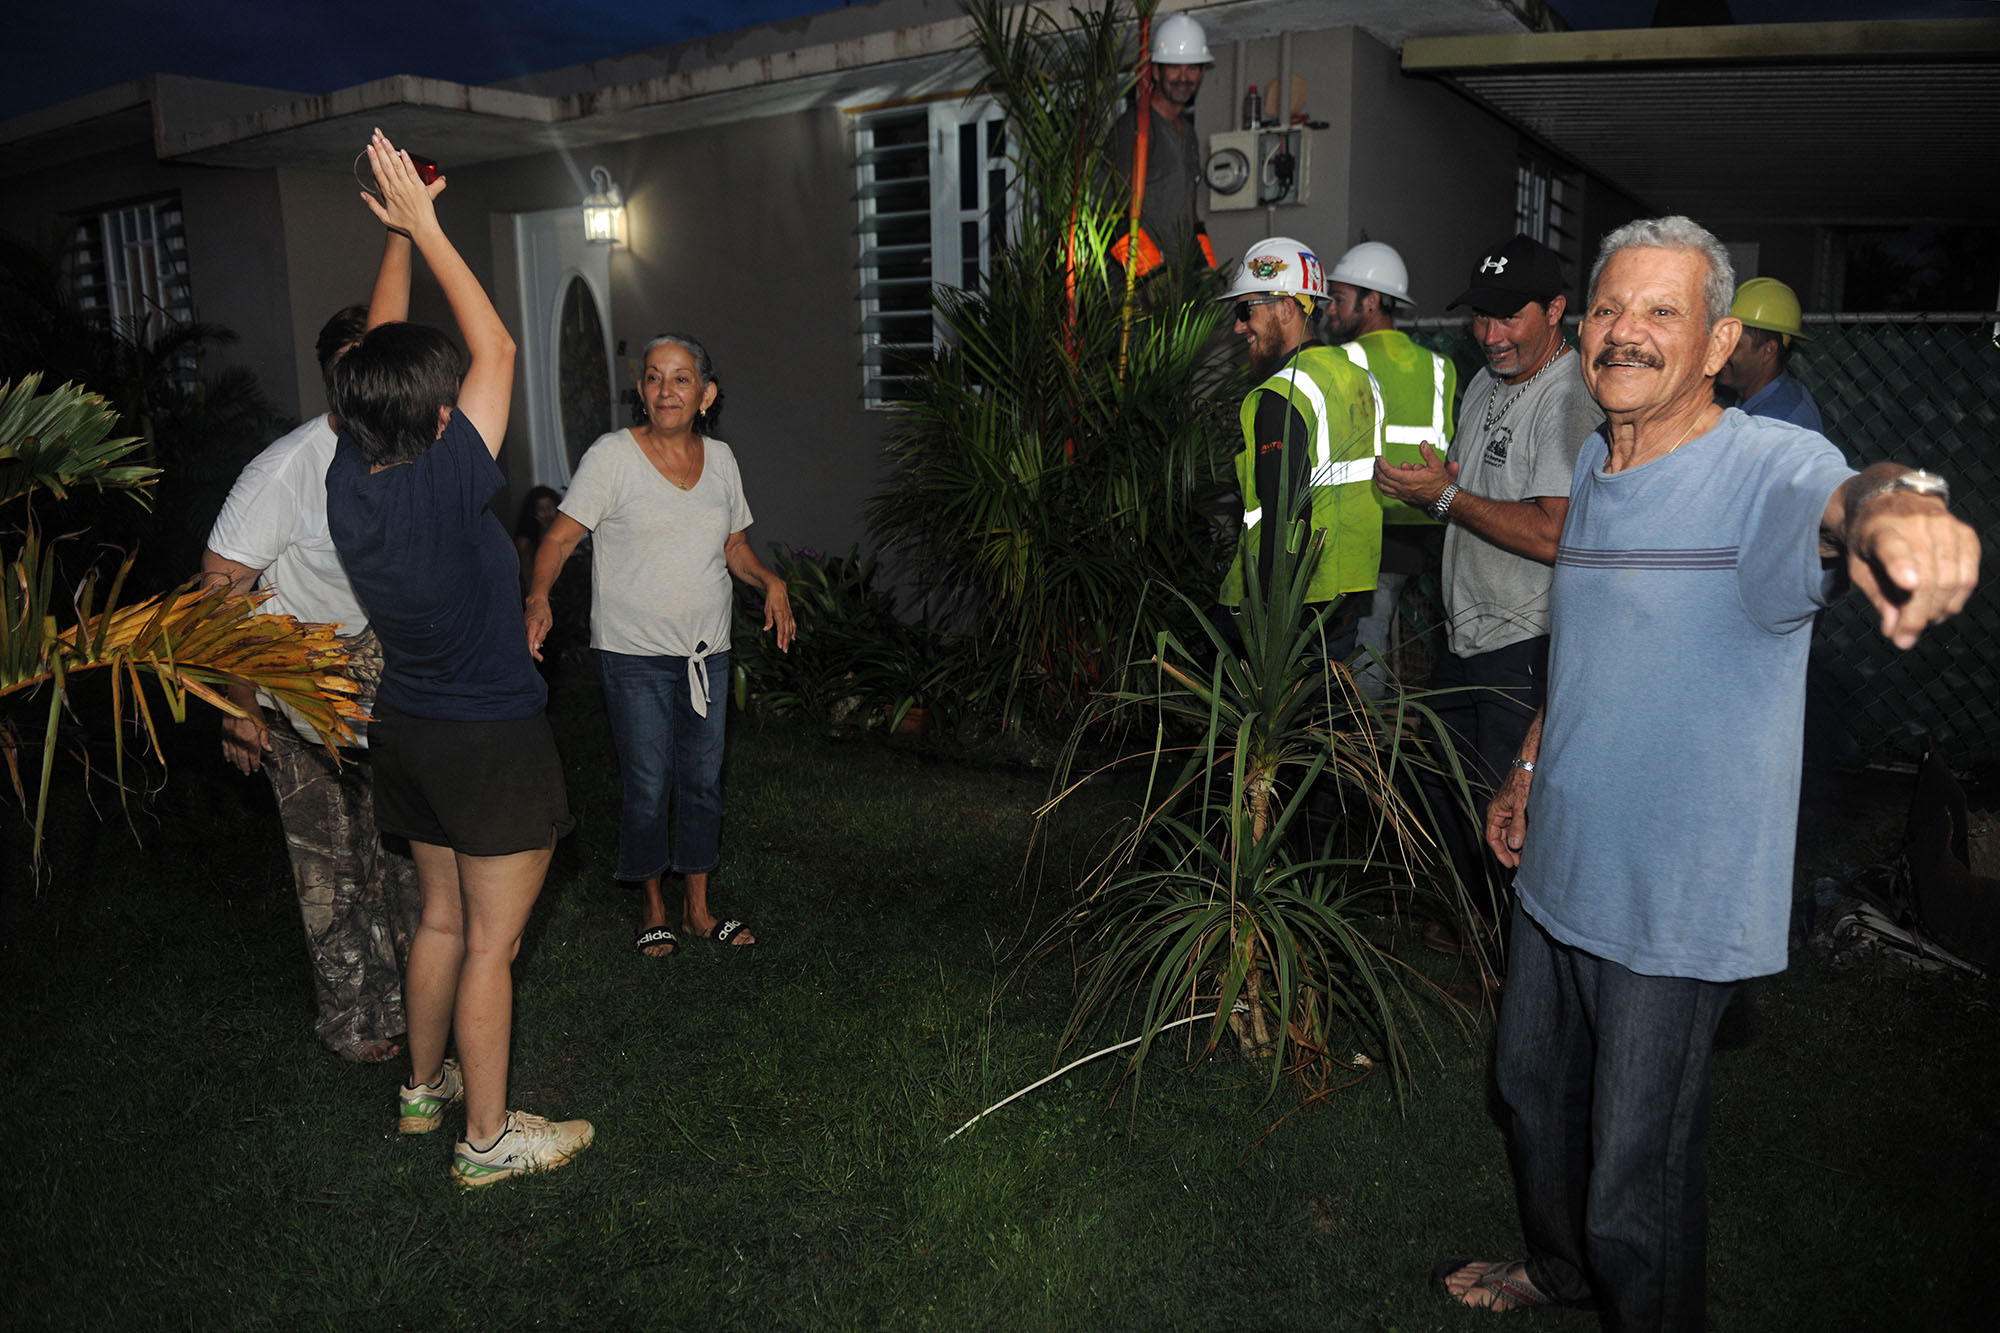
<point x="1509" y="277"/>
<point x="1502" y="496"/>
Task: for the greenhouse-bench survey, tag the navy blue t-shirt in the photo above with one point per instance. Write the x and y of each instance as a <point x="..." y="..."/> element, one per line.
<point x="439" y="577"/>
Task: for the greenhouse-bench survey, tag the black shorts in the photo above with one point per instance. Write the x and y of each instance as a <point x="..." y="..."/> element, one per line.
<point x="481" y="788"/>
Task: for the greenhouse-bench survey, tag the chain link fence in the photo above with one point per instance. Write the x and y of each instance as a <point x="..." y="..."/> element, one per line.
<point x="1922" y="390"/>
<point x="1917" y="389"/>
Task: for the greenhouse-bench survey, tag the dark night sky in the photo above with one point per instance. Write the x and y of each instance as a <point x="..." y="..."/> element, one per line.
<point x="56" y="49"/>
<point x="316" y="46"/>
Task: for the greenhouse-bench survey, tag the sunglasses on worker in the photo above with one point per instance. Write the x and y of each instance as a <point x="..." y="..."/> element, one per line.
<point x="1243" y="308"/>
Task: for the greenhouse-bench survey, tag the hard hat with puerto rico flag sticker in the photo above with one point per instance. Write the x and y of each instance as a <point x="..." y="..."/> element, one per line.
<point x="1278" y="264"/>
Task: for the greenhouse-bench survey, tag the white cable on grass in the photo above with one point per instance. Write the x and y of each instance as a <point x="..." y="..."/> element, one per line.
<point x="1239" y="1007"/>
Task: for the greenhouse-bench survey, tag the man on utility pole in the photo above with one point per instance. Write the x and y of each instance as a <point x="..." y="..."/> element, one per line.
<point x="1169" y="216"/>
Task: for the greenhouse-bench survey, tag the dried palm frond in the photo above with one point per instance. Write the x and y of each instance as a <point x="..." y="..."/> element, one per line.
<point x="193" y="641"/>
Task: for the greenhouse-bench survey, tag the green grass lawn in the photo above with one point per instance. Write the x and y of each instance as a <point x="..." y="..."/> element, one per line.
<point x="771" y="1123"/>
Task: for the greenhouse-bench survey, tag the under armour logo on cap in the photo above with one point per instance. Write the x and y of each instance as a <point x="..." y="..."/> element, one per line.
<point x="1511" y="275"/>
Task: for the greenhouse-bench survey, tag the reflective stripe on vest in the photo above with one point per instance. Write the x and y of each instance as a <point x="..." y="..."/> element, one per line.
<point x="1325" y="471"/>
<point x="1434" y="433"/>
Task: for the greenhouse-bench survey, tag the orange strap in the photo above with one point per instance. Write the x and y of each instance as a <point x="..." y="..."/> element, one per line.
<point x="1201" y="239"/>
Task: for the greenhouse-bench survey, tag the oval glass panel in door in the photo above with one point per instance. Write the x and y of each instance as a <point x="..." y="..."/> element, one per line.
<point x="583" y="372"/>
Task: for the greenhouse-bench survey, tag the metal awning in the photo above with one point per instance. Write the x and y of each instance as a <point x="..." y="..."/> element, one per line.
<point x="1832" y="123"/>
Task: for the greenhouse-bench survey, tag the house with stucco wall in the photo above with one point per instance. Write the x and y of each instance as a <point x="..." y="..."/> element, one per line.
<point x="791" y="191"/>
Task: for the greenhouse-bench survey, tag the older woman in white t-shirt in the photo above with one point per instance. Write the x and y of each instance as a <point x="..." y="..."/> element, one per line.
<point x="663" y="504"/>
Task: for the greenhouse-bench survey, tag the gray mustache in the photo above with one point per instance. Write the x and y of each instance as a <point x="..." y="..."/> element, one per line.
<point x="1633" y="354"/>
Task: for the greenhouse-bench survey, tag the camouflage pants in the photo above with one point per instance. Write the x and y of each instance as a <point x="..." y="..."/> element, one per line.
<point x="359" y="900"/>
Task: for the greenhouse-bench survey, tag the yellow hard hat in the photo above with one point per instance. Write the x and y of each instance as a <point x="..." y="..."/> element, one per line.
<point x="1766" y="303"/>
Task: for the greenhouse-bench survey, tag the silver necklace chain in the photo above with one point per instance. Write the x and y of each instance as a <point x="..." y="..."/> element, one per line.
<point x="1494" y="418"/>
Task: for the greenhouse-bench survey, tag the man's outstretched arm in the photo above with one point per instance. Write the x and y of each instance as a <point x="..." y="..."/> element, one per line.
<point x="1906" y="552"/>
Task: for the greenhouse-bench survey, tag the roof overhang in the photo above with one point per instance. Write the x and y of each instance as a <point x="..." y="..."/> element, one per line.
<point x="1836" y="123"/>
<point x="759" y="72"/>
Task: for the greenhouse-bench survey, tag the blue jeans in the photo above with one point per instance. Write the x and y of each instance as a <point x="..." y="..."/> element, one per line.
<point x="669" y="760"/>
<point x="1604" y="1076"/>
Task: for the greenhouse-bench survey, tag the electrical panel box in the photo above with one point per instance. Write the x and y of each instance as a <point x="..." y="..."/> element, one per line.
<point x="1257" y="168"/>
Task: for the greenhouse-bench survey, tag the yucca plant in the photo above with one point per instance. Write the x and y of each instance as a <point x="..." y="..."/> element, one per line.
<point x="1280" y="835"/>
<point x="192" y="641"/>
<point x="1041" y="485"/>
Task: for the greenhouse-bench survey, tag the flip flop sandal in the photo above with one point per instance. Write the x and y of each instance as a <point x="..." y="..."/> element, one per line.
<point x="724" y="933"/>
<point x="652" y="938"/>
<point x="1507" y="1286"/>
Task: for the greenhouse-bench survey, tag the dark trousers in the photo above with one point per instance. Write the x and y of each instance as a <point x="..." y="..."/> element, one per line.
<point x="1486" y="703"/>
<point x="1604" y="1074"/>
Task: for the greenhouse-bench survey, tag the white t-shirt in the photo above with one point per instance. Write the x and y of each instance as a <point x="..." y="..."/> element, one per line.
<point x="275" y="521"/>
<point x="658" y="583"/>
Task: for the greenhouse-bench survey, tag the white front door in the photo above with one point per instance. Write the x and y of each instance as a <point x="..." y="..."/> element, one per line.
<point x="565" y="340"/>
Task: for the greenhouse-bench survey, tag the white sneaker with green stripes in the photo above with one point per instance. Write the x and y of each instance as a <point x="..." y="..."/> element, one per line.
<point x="423" y="1106"/>
<point x="529" y="1143"/>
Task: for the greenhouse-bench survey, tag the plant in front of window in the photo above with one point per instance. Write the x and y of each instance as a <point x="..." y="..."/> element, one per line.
<point x="201" y="428"/>
<point x="1044" y="494"/>
<point x="55" y="629"/>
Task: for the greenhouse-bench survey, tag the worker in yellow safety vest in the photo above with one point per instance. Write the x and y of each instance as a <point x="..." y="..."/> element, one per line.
<point x="1310" y="436"/>
<point x="1419" y="389"/>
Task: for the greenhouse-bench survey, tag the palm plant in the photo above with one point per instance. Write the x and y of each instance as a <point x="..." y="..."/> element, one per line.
<point x="913" y="668"/>
<point x="1279" y="833"/>
<point x="192" y="641"/>
<point x="1042" y="486"/>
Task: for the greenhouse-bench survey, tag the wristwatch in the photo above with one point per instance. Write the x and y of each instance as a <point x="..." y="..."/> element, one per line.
<point x="1919" y="481"/>
<point x="1441" y="506"/>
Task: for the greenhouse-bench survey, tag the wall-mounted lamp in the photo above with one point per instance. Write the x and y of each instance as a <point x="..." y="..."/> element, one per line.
<point x="603" y="210"/>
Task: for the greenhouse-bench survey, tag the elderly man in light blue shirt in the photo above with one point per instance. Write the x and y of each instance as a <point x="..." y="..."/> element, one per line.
<point x="1652" y="809"/>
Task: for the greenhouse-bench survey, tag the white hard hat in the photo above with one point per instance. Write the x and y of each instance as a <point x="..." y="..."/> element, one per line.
<point x="1278" y="264"/>
<point x="1374" y="267"/>
<point x="1180" y="41"/>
